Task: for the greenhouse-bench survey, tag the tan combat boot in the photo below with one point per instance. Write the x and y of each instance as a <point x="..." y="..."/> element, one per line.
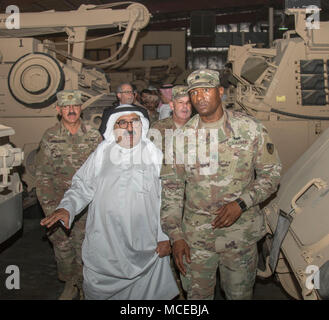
<point x="70" y="291"/>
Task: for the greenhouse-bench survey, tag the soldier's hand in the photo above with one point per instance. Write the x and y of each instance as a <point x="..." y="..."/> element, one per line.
<point x="227" y="215"/>
<point x="163" y="249"/>
<point x="59" y="214"/>
<point x="180" y="248"/>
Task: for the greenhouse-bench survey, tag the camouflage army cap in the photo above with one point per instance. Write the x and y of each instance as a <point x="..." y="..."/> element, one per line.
<point x="69" y="97"/>
<point x="179" y="91"/>
<point x="203" y="78"/>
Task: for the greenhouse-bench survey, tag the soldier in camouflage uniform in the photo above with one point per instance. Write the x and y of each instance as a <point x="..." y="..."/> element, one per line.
<point x="63" y="149"/>
<point x="150" y="101"/>
<point x="181" y="113"/>
<point x="230" y="166"/>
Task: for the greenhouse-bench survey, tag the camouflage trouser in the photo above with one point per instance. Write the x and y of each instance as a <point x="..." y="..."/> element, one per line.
<point x="67" y="248"/>
<point x="237" y="267"/>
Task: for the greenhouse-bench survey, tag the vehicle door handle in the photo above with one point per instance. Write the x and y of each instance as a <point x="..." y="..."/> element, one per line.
<point x="318" y="182"/>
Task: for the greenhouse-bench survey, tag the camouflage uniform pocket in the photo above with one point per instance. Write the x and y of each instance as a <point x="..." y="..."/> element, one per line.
<point x="243" y="164"/>
<point x="56" y="151"/>
<point x="248" y="229"/>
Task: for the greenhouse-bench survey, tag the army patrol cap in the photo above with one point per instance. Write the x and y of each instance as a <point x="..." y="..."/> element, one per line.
<point x="203" y="78"/>
<point x="179" y="91"/>
<point x="69" y="97"/>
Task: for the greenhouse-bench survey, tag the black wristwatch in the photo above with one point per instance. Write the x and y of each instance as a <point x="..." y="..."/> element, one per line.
<point x="241" y="204"/>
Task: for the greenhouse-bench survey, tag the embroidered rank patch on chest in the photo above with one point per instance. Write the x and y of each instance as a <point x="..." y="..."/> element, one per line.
<point x="237" y="141"/>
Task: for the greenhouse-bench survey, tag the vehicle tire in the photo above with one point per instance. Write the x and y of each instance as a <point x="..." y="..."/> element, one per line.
<point x="34" y="79"/>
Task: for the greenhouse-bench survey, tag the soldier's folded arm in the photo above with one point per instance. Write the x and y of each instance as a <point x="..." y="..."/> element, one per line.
<point x="268" y="169"/>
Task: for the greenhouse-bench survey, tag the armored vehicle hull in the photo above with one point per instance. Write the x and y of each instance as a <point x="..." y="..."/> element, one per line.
<point x="299" y="216"/>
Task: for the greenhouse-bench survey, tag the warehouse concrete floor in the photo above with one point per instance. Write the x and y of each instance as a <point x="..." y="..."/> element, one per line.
<point x="32" y="253"/>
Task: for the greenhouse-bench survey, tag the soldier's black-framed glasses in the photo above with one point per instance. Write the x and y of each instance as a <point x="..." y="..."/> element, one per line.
<point x="123" y="124"/>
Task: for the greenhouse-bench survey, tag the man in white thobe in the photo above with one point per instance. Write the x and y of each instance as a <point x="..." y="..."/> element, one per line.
<point x="125" y="252"/>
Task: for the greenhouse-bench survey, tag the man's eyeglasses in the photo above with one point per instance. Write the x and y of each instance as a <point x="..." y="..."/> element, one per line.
<point x="127" y="92"/>
<point x="123" y="124"/>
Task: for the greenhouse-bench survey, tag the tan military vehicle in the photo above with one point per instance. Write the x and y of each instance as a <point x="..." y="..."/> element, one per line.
<point x="33" y="71"/>
<point x="297" y="220"/>
<point x="11" y="211"/>
<point x="286" y="87"/>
